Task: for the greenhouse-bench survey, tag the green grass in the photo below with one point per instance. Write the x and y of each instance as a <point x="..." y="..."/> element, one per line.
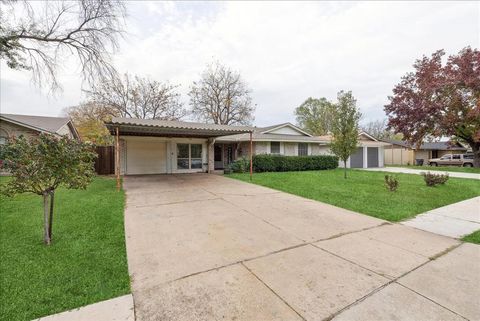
<point x="86" y="262"/>
<point x="472" y="238"/>
<point x="472" y="170"/>
<point x="365" y="192"/>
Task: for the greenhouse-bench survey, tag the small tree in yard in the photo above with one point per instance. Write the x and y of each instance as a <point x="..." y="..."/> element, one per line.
<point x="41" y="164"/>
<point x="345" y="127"/>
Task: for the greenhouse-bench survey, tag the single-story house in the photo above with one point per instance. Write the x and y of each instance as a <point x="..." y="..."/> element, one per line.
<point x="403" y="153"/>
<point x="147" y="146"/>
<point x="13" y="125"/>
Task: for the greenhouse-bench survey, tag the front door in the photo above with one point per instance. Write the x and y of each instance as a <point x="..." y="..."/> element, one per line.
<point x="218" y="156"/>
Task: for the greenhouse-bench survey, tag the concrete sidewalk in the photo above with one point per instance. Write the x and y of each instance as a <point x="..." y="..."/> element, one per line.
<point x="454" y="220"/>
<point x="419" y="171"/>
<point x="117" y="309"/>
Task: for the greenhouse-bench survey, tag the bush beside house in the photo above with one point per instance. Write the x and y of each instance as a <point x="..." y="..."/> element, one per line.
<point x="280" y="163"/>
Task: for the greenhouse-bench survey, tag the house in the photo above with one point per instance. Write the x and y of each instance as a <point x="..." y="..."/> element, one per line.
<point x="13" y="125"/>
<point x="403" y="153"/>
<point x="149" y="146"/>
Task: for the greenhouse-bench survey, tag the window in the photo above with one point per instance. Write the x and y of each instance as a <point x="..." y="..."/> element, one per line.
<point x="468" y="156"/>
<point x="274" y="147"/>
<point x="456" y="156"/>
<point x="445" y="157"/>
<point x="196" y="156"/>
<point x="182" y="156"/>
<point x="302" y="149"/>
<point x="189" y="156"/>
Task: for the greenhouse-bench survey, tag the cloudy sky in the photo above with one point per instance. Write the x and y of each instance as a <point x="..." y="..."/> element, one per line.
<point x="286" y="52"/>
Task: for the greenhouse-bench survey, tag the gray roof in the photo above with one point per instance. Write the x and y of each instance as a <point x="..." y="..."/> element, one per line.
<point x="432" y="145"/>
<point x="259" y="137"/>
<point x="156" y="127"/>
<point x="40" y="123"/>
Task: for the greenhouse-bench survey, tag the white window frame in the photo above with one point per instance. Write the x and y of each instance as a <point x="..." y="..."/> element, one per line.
<point x="298" y="149"/>
<point x="279" y="148"/>
<point x="189" y="156"/>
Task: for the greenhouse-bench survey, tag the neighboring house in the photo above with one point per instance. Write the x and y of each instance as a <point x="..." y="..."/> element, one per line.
<point x="157" y="146"/>
<point x="12" y="125"/>
<point x="369" y="152"/>
<point x="403" y="153"/>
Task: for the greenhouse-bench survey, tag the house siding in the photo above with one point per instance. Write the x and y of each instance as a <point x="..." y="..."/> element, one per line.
<point x="290" y="149"/>
<point x="14" y="130"/>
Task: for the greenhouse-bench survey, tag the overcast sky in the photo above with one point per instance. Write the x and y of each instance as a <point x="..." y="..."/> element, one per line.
<point x="286" y="52"/>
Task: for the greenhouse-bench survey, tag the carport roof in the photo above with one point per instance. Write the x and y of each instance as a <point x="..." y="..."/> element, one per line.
<point x="169" y="128"/>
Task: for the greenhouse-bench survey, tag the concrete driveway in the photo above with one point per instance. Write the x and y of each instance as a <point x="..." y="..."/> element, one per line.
<point x="206" y="247"/>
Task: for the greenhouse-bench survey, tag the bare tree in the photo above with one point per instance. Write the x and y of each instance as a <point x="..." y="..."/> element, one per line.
<point x="378" y="128"/>
<point x="221" y="97"/>
<point x="139" y="98"/>
<point x="38" y="36"/>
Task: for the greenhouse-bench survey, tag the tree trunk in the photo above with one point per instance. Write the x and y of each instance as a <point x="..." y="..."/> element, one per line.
<point x="345" y="169"/>
<point x="46" y="216"/>
<point x="476" y="153"/>
<point x="50" y="221"/>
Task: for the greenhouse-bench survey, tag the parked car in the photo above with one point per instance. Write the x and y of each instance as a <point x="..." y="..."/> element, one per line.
<point x="465" y="160"/>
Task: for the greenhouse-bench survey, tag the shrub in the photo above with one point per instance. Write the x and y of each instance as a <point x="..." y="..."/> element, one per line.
<point x="241" y="165"/>
<point x="391" y="183"/>
<point x="280" y="163"/>
<point x="435" y="179"/>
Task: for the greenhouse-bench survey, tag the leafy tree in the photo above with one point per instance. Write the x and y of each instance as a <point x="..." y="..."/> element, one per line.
<point x="138" y="97"/>
<point x="345" y="127"/>
<point x="89" y="119"/>
<point x="221" y="97"/>
<point x="38" y="36"/>
<point x="41" y="164"/>
<point x="315" y="115"/>
<point x="440" y="99"/>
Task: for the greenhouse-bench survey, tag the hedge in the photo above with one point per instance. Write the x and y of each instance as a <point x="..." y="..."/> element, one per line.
<point x="280" y="163"/>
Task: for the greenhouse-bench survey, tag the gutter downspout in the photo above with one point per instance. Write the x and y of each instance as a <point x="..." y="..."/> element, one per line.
<point x="251" y="156"/>
<point x="117" y="158"/>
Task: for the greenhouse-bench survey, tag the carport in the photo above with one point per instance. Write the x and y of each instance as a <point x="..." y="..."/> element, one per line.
<point x="150" y="146"/>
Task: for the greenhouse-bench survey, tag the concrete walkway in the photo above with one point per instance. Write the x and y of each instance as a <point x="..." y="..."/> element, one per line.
<point x="117" y="309"/>
<point x="206" y="247"/>
<point x="454" y="220"/>
<point x="419" y="171"/>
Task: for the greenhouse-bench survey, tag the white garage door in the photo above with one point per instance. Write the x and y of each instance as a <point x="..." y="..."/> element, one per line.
<point x="146" y="157"/>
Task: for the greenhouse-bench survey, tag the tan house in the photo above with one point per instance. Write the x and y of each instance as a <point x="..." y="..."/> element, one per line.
<point x="403" y="153"/>
<point x="158" y="146"/>
<point x="13" y="125"/>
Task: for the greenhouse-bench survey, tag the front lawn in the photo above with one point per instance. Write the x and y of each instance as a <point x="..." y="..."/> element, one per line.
<point x="86" y="262"/>
<point x="472" y="170"/>
<point x="364" y="191"/>
<point x="472" y="238"/>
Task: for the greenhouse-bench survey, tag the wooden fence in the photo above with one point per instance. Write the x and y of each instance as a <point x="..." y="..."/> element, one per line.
<point x="105" y="162"/>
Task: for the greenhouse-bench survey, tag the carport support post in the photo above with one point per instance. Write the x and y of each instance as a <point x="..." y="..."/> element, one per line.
<point x="117" y="158"/>
<point x="251" y="156"/>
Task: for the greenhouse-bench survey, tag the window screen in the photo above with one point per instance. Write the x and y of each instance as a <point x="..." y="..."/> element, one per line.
<point x="274" y="147"/>
<point x="302" y="149"/>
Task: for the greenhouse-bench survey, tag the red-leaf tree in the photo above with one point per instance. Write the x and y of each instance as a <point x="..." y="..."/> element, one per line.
<point x="439" y="99"/>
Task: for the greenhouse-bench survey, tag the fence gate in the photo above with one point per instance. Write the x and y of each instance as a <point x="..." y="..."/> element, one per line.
<point x="105" y="162"/>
